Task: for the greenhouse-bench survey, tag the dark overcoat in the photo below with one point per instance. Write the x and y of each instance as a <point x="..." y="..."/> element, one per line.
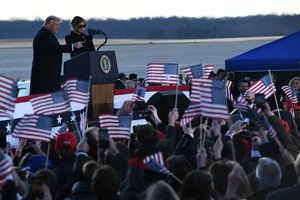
<point x="46" y="64"/>
<point x="87" y="44"/>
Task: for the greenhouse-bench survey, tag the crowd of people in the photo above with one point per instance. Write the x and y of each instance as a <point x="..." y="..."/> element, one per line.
<point x="132" y="81"/>
<point x="205" y="159"/>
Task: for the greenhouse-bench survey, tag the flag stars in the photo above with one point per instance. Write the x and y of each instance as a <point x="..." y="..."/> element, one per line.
<point x="73" y="117"/>
<point x="8" y="128"/>
<point x="59" y="118"/>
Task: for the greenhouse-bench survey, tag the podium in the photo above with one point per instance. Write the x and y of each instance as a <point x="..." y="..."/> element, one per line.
<point x="103" y="69"/>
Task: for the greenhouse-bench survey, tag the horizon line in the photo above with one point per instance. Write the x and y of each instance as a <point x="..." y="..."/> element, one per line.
<point x="153" y="17"/>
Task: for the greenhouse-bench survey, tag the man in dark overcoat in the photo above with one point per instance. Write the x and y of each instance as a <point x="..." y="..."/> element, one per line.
<point x="47" y="58"/>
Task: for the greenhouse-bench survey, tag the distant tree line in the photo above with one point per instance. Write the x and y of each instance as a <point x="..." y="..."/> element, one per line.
<point x="169" y="28"/>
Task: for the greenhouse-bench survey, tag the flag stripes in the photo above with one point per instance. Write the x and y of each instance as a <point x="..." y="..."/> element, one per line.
<point x="34" y="127"/>
<point x="8" y="96"/>
<point x="290" y="93"/>
<point x="77" y="91"/>
<point x="6" y="168"/>
<point x="263" y="86"/>
<point x="162" y="73"/>
<point x="52" y="103"/>
<point x="117" y="127"/>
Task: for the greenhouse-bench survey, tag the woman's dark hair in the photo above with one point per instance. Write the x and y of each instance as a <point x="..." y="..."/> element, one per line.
<point x="160" y="190"/>
<point x="220" y="171"/>
<point x="49" y="178"/>
<point x="180" y="167"/>
<point x="144" y="131"/>
<point x="88" y="169"/>
<point x="197" y="185"/>
<point x="76" y="21"/>
<point x="105" y="183"/>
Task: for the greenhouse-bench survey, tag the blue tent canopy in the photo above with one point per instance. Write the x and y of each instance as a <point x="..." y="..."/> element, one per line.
<point x="280" y="55"/>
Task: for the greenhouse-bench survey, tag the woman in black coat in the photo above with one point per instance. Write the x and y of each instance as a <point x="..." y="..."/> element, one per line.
<point x="78" y="24"/>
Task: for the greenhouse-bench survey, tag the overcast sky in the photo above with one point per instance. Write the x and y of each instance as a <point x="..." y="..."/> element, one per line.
<point x="125" y="9"/>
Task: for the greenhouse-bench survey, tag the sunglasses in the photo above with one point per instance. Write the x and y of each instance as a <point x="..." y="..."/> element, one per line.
<point x="82" y="26"/>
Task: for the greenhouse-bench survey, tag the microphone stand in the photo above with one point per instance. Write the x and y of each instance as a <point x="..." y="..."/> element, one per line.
<point x="104" y="40"/>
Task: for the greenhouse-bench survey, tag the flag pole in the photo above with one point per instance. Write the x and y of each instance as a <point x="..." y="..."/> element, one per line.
<point x="177" y="85"/>
<point x="47" y="156"/>
<point x="87" y="105"/>
<point x="129" y="140"/>
<point x="279" y="115"/>
<point x="233" y="111"/>
<point x="76" y="125"/>
<point x="175" y="177"/>
<point x="233" y="149"/>
<point x="204" y="133"/>
<point x="200" y="137"/>
<point x="9" y="133"/>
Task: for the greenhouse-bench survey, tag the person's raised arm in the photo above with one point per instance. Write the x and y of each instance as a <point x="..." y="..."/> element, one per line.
<point x="171" y="130"/>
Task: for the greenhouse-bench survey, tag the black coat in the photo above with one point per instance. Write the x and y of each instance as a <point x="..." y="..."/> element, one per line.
<point x="288" y="193"/>
<point x="46" y="64"/>
<point x="86" y="39"/>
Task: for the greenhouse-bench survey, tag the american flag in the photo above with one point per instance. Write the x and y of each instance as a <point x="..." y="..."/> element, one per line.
<point x="198" y="71"/>
<point x="8" y="96"/>
<point x="242" y="107"/>
<point x="195" y="90"/>
<point x="194" y="109"/>
<point x="157" y="157"/>
<point x="6" y="168"/>
<point x="290" y="93"/>
<point x="213" y="99"/>
<point x="78" y="91"/>
<point x="52" y="103"/>
<point x="190" y="113"/>
<point x="263" y="86"/>
<point x="34" y="127"/>
<point x="241" y="104"/>
<point x="62" y="129"/>
<point x="271" y="131"/>
<point x="157" y="167"/>
<point x="162" y="73"/>
<point x="139" y="94"/>
<point x="241" y="99"/>
<point x="118" y="126"/>
<point x="228" y="91"/>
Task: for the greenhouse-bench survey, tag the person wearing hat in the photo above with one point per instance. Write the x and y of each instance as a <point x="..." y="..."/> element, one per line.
<point x="35" y="163"/>
<point x="78" y="24"/>
<point x="65" y="146"/>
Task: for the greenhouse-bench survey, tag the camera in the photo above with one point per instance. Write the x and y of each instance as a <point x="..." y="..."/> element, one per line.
<point x="260" y="101"/>
<point x="103" y="139"/>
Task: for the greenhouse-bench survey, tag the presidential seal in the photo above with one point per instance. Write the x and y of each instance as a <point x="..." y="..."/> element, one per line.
<point x="105" y="64"/>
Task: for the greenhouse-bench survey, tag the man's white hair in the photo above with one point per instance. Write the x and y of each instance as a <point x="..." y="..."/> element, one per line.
<point x="50" y="19"/>
<point x="268" y="173"/>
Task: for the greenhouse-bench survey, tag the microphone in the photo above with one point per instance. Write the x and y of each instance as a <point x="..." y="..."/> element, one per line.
<point x="93" y="31"/>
